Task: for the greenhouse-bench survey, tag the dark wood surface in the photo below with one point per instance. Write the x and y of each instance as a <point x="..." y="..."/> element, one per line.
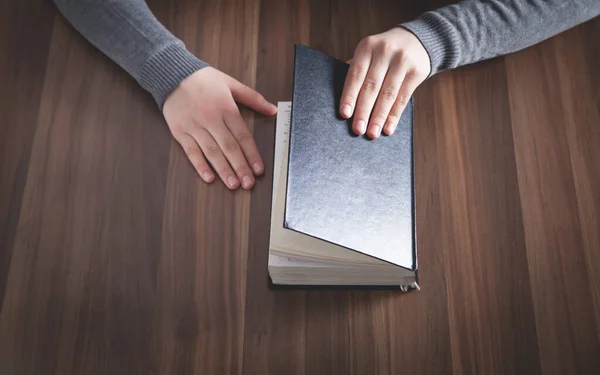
<point x="116" y="259"/>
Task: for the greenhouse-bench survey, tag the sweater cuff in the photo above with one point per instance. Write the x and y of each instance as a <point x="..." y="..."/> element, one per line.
<point x="437" y="37"/>
<point x="165" y="69"/>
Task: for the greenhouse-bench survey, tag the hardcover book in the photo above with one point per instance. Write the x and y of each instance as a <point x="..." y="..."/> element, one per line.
<point x="343" y="211"/>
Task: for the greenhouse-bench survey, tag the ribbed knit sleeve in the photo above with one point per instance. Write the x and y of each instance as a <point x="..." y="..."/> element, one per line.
<point x="475" y="30"/>
<point x="128" y="33"/>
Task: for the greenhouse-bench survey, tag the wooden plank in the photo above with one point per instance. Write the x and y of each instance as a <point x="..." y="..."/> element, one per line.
<point x="489" y="300"/>
<point x="82" y="279"/>
<point x="419" y="323"/>
<point x="579" y="99"/>
<point x="545" y="128"/>
<point x="25" y="30"/>
<point x="274" y="337"/>
<point x="202" y="272"/>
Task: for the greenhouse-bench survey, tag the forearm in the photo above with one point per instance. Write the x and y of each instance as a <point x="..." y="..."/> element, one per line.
<point x="128" y="33"/>
<point x="475" y="30"/>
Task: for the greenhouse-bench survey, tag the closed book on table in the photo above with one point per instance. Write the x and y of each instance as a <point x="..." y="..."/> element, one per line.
<point x="343" y="210"/>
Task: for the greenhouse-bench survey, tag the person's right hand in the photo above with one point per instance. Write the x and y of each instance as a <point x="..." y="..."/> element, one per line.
<point x="384" y="72"/>
<point x="203" y="117"/>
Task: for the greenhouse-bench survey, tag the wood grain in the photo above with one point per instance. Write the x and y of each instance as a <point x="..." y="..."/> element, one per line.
<point x="485" y="259"/>
<point x="22" y="72"/>
<point x="116" y="259"/>
<point x="561" y="247"/>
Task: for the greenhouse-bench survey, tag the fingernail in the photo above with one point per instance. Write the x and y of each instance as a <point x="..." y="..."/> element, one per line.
<point x="231" y="181"/>
<point x="361" y="126"/>
<point x="346" y="109"/>
<point x="376" y="130"/>
<point x="207" y="176"/>
<point x="257" y="168"/>
<point x="246" y="181"/>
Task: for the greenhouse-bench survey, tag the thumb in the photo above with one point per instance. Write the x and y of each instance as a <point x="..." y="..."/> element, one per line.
<point x="250" y="98"/>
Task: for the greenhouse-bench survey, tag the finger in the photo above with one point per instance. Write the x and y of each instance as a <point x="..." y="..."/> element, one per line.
<point x="215" y="156"/>
<point x="250" y="98"/>
<point x="367" y="96"/>
<point x="240" y="132"/>
<point x="194" y="154"/>
<point x="409" y="85"/>
<point x="385" y="100"/>
<point x="353" y="82"/>
<point x="233" y="152"/>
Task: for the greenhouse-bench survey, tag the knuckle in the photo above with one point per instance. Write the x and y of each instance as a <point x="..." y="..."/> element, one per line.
<point x="212" y="150"/>
<point x="403" y="99"/>
<point x="361" y="46"/>
<point x="378" y="119"/>
<point x="385" y="47"/>
<point x="357" y="72"/>
<point x="192" y="151"/>
<point x="231" y="146"/>
<point x="389" y="93"/>
<point x="400" y="56"/>
<point x="420" y="72"/>
<point x="244" y="137"/>
<point x="370" y="85"/>
<point x="369" y="41"/>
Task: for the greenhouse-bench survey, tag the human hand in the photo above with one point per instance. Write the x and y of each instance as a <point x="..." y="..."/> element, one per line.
<point x="384" y="72"/>
<point x="203" y="117"/>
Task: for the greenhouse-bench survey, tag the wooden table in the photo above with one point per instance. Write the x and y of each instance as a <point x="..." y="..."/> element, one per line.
<point x="116" y="259"/>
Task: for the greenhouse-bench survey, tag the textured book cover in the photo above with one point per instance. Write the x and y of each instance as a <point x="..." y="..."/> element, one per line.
<point x="346" y="189"/>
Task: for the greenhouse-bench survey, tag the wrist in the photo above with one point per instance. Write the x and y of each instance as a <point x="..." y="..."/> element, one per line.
<point x="436" y="37"/>
<point x="166" y="69"/>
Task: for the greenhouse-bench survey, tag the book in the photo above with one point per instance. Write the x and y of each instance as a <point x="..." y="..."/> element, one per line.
<point x="342" y="210"/>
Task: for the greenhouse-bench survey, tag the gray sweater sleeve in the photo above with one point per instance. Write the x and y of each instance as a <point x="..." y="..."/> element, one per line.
<point x="459" y="34"/>
<point x="128" y="33"/>
<point x="475" y="30"/>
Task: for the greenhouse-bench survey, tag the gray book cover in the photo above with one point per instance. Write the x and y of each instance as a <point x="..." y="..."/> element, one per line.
<point x="342" y="188"/>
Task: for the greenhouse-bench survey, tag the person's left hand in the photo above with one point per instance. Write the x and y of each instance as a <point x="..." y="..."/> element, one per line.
<point x="384" y="72"/>
<point x="204" y="118"/>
